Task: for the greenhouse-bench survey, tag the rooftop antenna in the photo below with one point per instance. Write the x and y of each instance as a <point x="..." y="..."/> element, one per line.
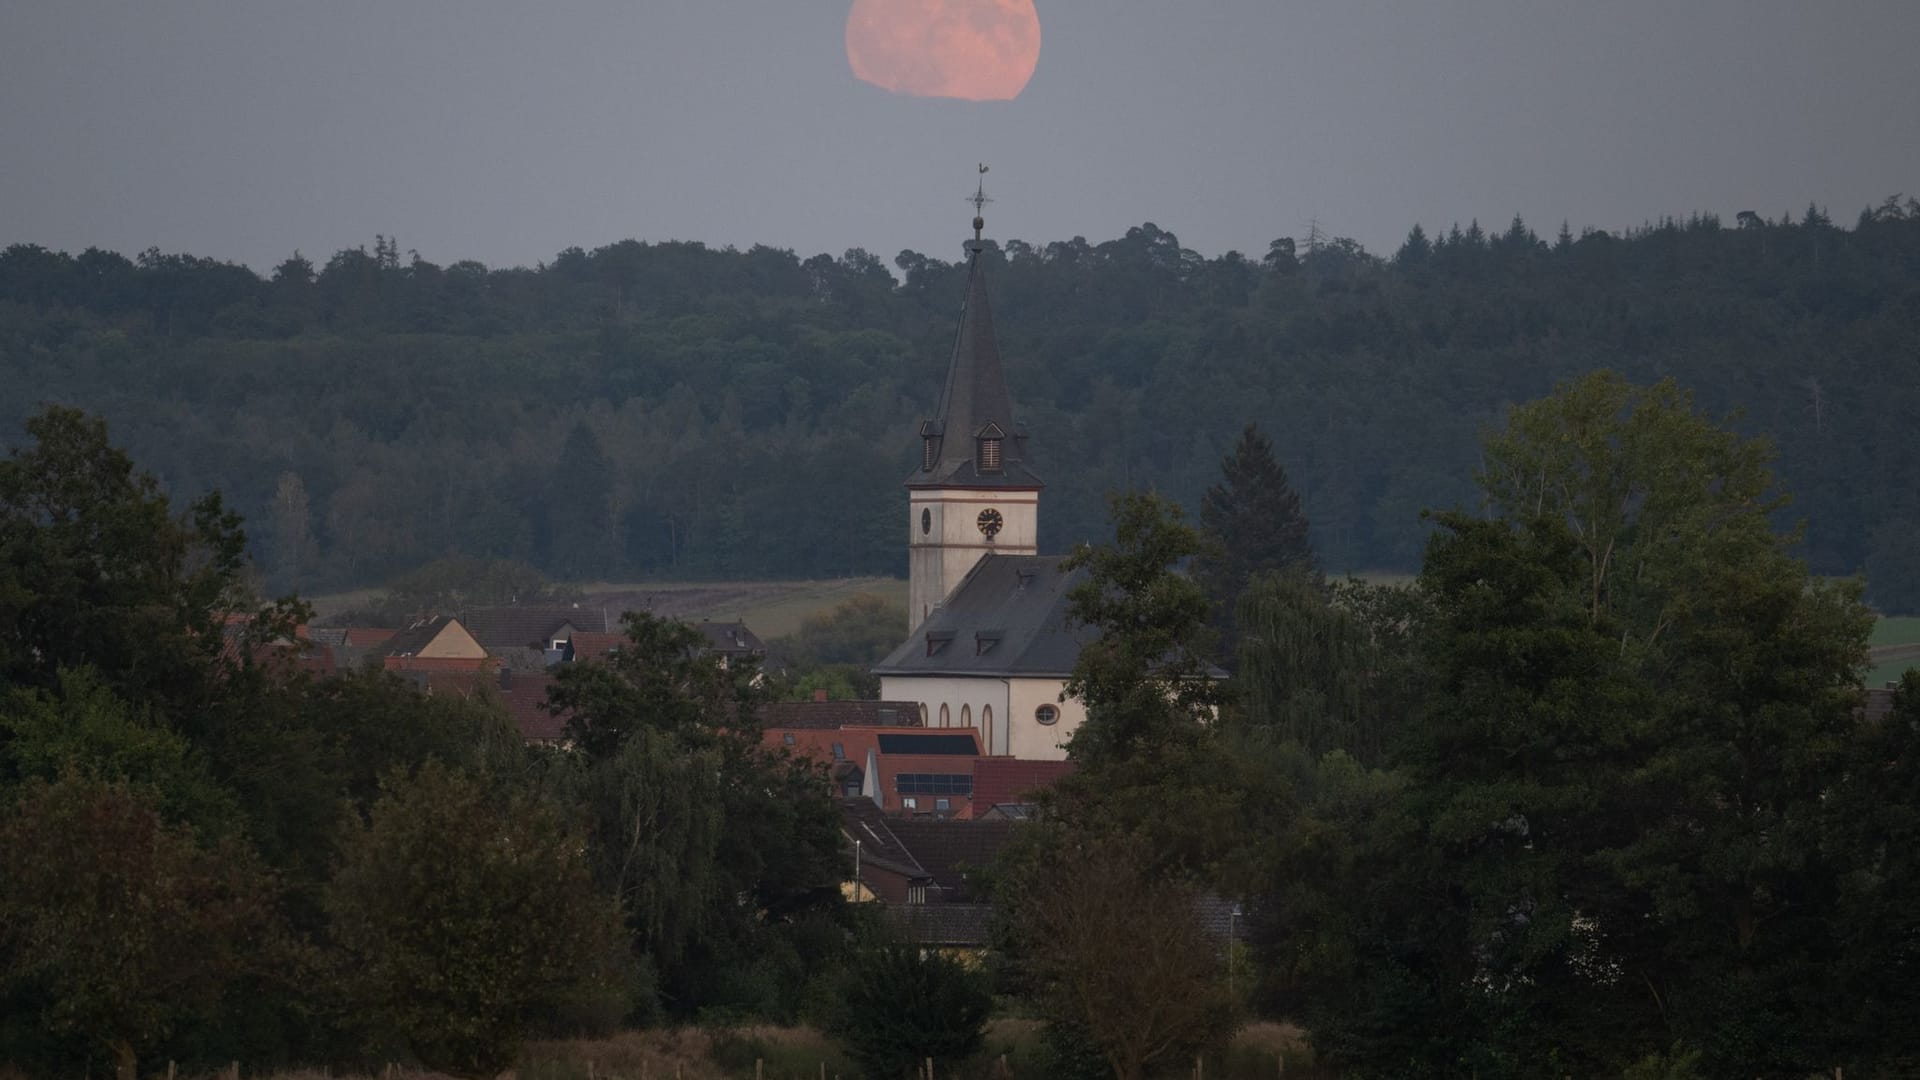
<point x="979" y="200"/>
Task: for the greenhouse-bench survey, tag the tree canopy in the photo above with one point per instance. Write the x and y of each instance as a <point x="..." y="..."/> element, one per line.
<point x="692" y="400"/>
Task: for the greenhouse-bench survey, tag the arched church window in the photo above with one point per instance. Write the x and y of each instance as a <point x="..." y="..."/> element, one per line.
<point x="944" y="717"/>
<point x="966" y="716"/>
<point x="986" y="724"/>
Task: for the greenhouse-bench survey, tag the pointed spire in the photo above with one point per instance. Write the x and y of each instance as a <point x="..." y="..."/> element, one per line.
<point x="972" y="440"/>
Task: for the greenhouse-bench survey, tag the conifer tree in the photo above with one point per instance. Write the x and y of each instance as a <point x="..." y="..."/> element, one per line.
<point x="1253" y="525"/>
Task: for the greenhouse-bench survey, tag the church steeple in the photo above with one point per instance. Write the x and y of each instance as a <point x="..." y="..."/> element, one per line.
<point x="973" y="494"/>
<point x="972" y="441"/>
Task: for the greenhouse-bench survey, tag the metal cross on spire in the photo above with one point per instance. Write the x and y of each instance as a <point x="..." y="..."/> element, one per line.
<point x="979" y="200"/>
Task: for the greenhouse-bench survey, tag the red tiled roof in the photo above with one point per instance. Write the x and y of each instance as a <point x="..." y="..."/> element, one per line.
<point x="589" y="645"/>
<point x="441" y="663"/>
<point x="366" y="637"/>
<point x="523" y="696"/>
<point x="998" y="780"/>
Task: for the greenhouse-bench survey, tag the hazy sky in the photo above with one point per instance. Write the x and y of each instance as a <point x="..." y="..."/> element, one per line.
<point x="507" y="131"/>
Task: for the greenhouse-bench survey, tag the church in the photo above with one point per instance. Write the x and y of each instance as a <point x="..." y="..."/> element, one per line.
<point x="990" y="644"/>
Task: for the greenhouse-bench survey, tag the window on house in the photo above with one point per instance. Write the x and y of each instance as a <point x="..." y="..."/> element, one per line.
<point x="986" y="724"/>
<point x="946" y="720"/>
<point x="943" y="804"/>
<point x="909" y="804"/>
<point x="1047" y="714"/>
<point x="787" y="738"/>
<point x="966" y="716"/>
<point x="839" y="751"/>
<point x="934" y="783"/>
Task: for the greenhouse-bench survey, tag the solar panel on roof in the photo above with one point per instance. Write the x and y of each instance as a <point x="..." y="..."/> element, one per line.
<point x="928" y="744"/>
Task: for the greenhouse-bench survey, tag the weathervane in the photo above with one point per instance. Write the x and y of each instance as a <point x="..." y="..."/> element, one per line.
<point x="979" y="200"/>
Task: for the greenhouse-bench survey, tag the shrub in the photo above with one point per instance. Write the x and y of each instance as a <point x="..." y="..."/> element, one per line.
<point x="900" y="1006"/>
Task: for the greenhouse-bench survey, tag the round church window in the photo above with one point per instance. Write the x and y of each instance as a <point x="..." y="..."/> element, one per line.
<point x="1047" y="714"/>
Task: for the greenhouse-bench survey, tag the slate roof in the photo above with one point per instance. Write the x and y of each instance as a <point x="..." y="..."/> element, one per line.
<point x="951" y="849"/>
<point x="1008" y="616"/>
<point x="416" y="637"/>
<point x="861" y="820"/>
<point x="530" y="627"/>
<point x="833" y="715"/>
<point x="975" y="399"/>
<point x="732" y="639"/>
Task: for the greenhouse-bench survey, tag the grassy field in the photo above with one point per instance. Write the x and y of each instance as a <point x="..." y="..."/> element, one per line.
<point x="1895" y="648"/>
<point x="769" y="608"/>
<point x="1012" y="1052"/>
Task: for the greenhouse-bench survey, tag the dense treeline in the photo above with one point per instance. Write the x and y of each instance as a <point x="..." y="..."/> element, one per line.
<point x="209" y="854"/>
<point x="1598" y="794"/>
<point x="666" y="409"/>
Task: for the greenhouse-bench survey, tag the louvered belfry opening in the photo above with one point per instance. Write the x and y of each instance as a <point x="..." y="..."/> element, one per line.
<point x="990" y="455"/>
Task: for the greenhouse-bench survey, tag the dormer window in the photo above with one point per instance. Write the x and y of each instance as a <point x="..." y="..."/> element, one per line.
<point x="987" y="454"/>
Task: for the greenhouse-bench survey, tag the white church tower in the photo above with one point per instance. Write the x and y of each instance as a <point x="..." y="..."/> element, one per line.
<point x="973" y="493"/>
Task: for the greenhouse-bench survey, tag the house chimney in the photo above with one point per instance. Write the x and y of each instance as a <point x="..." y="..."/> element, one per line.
<point x="819" y="695"/>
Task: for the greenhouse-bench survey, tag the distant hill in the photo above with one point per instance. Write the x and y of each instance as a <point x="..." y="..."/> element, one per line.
<point x="649" y="411"/>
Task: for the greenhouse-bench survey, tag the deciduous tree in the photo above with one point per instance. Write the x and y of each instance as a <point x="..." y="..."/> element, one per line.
<point x="461" y="912"/>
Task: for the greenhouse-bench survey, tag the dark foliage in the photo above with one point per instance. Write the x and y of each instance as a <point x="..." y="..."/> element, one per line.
<point x="696" y="399"/>
<point x="900" y="1005"/>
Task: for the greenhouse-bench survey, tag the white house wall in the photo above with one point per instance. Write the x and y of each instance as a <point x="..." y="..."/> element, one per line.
<point x="1014" y="731"/>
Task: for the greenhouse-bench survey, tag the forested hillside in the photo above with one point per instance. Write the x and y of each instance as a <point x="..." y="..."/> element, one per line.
<point x="670" y="410"/>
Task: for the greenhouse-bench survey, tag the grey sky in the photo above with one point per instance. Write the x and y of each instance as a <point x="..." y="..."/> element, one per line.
<point x="506" y="131"/>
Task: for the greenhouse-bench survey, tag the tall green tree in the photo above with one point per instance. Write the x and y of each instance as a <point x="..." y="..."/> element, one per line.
<point x="1147" y="679"/>
<point x="1642" y="702"/>
<point x="462" y="913"/>
<point x="97" y="570"/>
<point x="724" y="856"/>
<point x="117" y="927"/>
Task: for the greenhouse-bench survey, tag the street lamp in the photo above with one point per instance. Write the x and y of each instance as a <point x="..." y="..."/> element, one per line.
<point x="1233" y="913"/>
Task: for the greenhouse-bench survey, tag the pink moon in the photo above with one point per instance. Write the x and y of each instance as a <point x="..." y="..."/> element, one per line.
<point x="975" y="50"/>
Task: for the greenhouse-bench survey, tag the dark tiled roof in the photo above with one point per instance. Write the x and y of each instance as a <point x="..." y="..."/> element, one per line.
<point x="951" y="849"/>
<point x="1006" y="781"/>
<point x="329" y="638"/>
<point x="862" y="821"/>
<point x="975" y="399"/>
<point x="416" y="637"/>
<point x="831" y="715"/>
<point x="1020" y="598"/>
<point x="732" y="639"/>
<point x="952" y="925"/>
<point x="529" y="627"/>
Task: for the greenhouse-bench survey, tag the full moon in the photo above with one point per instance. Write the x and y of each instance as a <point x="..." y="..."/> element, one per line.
<point x="976" y="50"/>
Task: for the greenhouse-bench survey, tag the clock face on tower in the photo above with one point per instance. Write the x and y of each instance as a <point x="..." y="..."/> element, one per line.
<point x="989" y="522"/>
